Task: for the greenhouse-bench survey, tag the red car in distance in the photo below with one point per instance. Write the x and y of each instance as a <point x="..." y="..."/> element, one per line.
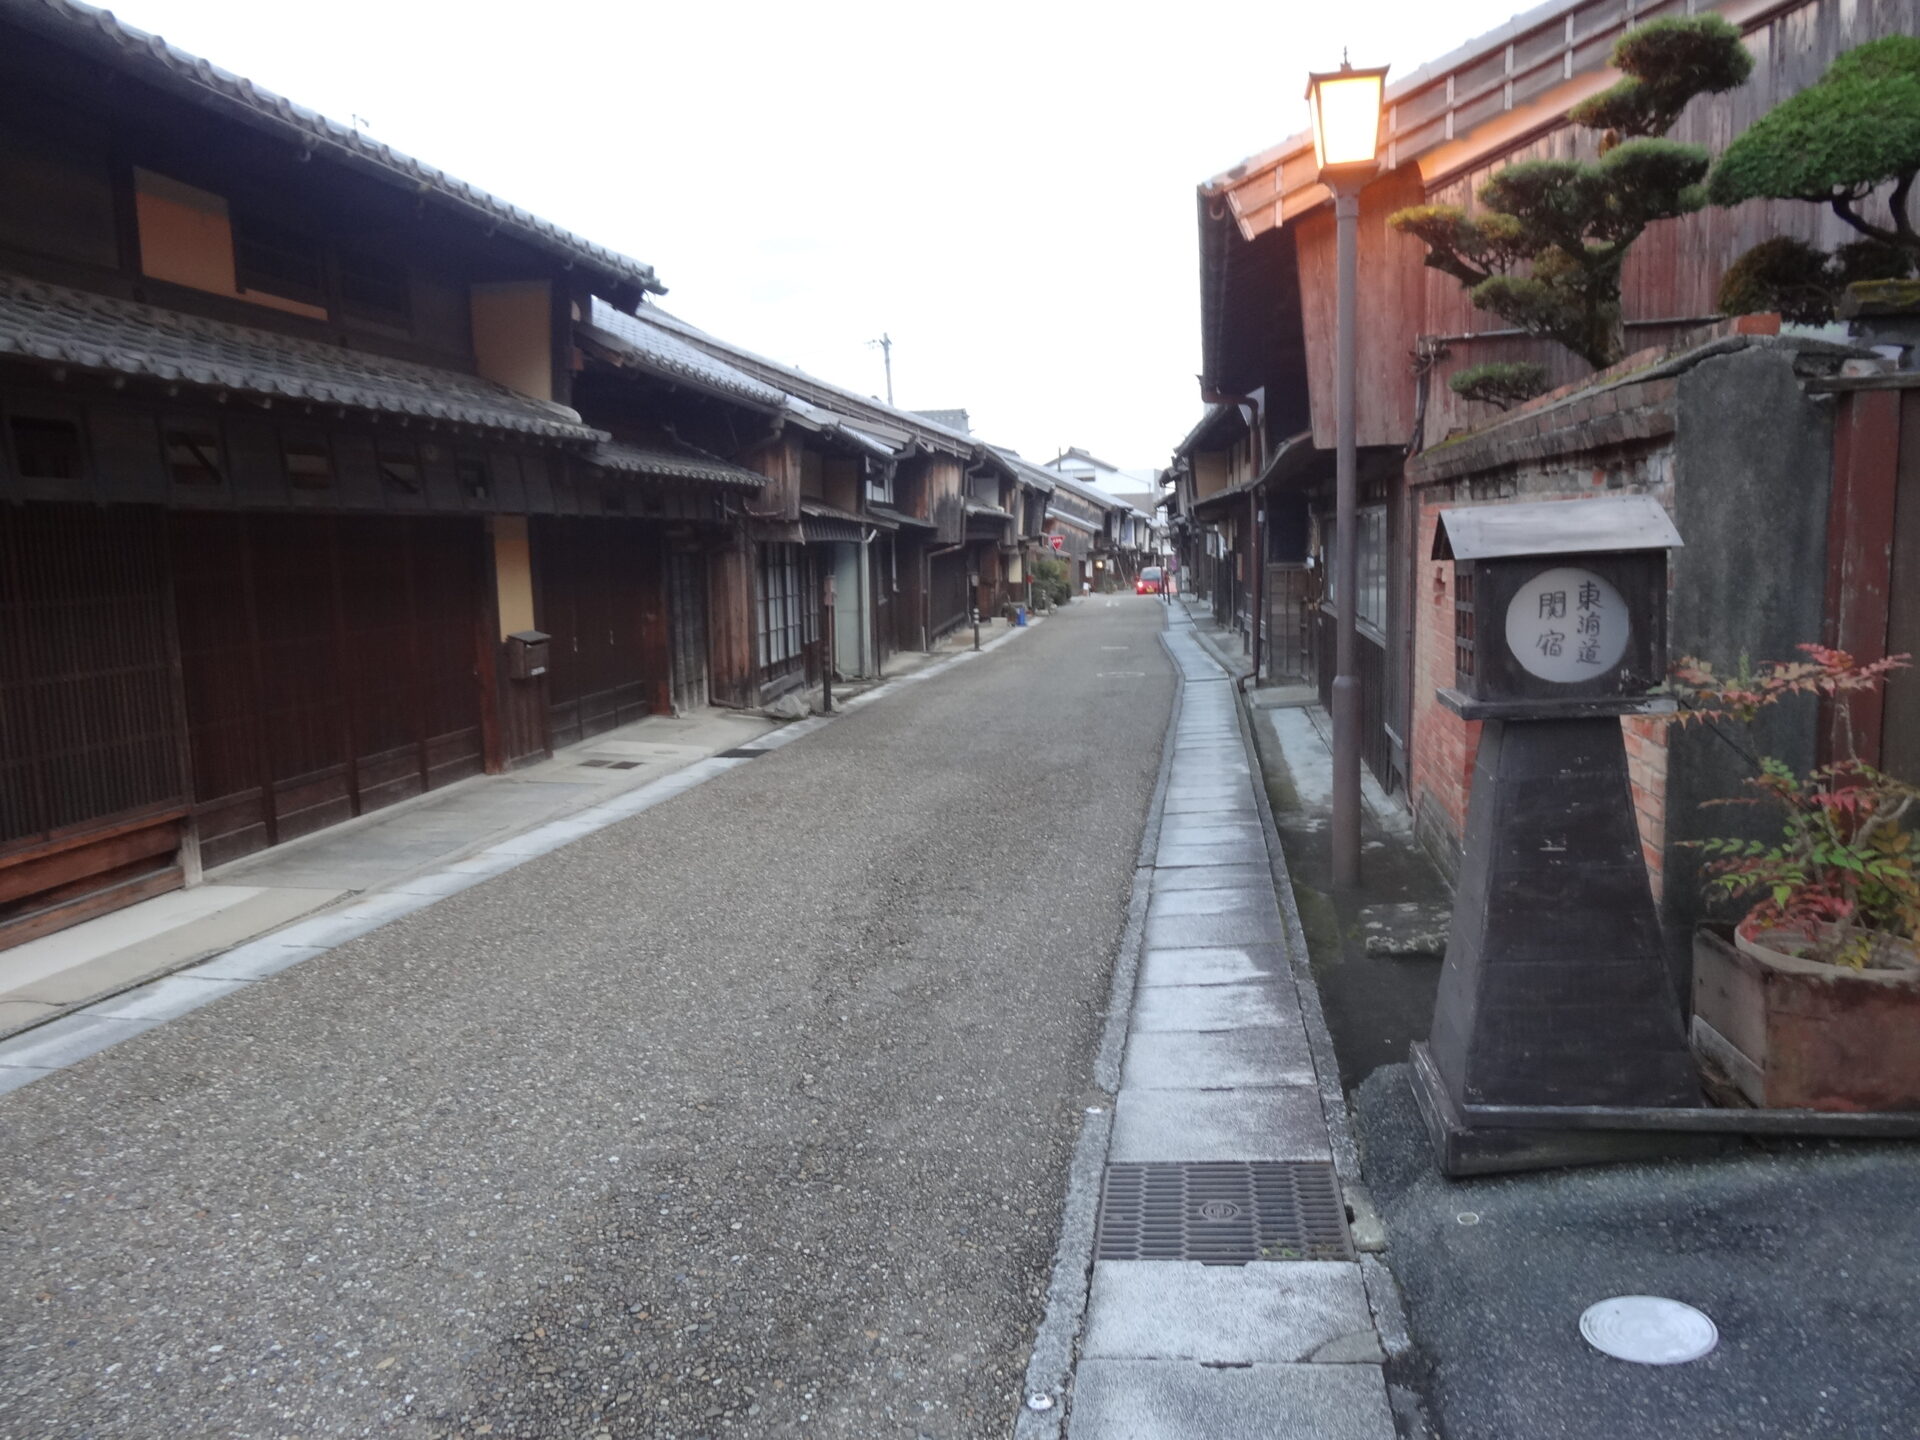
<point x="1150" y="581"/>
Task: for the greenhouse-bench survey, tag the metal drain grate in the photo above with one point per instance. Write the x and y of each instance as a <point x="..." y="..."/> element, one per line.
<point x="1224" y="1213"/>
<point x="740" y="754"/>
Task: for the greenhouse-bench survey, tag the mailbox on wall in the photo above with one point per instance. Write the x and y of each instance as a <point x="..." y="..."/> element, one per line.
<point x="527" y="654"/>
<point x="1559" y="607"/>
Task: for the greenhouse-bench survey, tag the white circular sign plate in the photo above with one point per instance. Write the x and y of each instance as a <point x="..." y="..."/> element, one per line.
<point x="1648" y="1330"/>
<point x="1567" y="625"/>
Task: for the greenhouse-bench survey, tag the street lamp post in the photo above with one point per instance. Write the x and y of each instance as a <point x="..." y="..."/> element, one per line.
<point x="1345" y="105"/>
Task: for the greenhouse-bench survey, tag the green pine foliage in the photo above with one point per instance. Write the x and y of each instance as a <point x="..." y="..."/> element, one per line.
<point x="1665" y="64"/>
<point x="1545" y="248"/>
<point x="1500" y="383"/>
<point x="1802" y="282"/>
<point x="1836" y="143"/>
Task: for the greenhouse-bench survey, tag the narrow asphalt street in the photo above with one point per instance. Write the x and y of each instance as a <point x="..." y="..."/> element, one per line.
<point x="748" y="1115"/>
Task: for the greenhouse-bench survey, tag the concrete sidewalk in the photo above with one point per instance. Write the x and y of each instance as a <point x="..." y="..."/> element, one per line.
<point x="1226" y="1065"/>
<point x="69" y="995"/>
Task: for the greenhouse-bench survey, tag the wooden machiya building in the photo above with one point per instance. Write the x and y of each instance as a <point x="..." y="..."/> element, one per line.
<point x="1079" y="517"/>
<point x="290" y="447"/>
<point x="898" y="508"/>
<point x="1022" y="537"/>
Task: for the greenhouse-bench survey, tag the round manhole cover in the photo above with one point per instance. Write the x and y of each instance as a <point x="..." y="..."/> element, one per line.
<point x="1648" y="1330"/>
<point x="1219" y="1210"/>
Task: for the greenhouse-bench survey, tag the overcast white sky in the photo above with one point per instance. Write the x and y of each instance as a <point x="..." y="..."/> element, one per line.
<point x="1007" y="189"/>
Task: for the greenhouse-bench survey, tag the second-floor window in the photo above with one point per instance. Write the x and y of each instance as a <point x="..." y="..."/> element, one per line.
<point x="374" y="289"/>
<point x="278" y="261"/>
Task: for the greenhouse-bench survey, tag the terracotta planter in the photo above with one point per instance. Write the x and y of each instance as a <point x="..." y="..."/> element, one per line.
<point x="1795" y="1034"/>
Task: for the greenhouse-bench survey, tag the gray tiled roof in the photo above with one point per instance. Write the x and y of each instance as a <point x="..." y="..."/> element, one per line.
<point x="637" y="339"/>
<point x="135" y="52"/>
<point x="1088" y="492"/>
<point x="863" y="437"/>
<point x="60" y="326"/>
<point x="672" y="464"/>
<point x="1037" y="476"/>
<point x="862" y="409"/>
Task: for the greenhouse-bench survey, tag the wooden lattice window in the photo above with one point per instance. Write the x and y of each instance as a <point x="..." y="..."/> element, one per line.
<point x="1463" y="626"/>
<point x="193" y="454"/>
<point x="309" y="462"/>
<point x="46" y="447"/>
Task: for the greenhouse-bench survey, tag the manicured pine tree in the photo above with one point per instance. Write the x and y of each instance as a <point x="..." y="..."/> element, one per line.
<point x="1837" y="143"/>
<point x="1545" y="248"/>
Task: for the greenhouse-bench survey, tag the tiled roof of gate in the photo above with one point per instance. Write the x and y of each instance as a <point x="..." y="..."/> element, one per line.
<point x="61" y="326"/>
<point x="672" y="464"/>
<point x="138" y="53"/>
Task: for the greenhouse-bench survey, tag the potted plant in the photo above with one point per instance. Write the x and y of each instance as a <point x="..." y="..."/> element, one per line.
<point x="1814" y="1000"/>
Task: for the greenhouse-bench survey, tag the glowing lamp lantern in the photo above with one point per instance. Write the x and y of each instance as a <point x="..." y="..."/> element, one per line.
<point x="1345" y="104"/>
<point x="1346" y="118"/>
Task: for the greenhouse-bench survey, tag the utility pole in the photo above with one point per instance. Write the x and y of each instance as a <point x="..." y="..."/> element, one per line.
<point x="885" y="346"/>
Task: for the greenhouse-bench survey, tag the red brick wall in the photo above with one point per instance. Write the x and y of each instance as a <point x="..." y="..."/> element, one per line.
<point x="1444" y="745"/>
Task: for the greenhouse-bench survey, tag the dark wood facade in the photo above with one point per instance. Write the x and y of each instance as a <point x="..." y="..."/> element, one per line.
<point x="261" y="424"/>
<point x="297" y="435"/>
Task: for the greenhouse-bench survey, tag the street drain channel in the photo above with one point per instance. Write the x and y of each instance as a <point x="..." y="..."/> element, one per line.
<point x="1222" y="1213"/>
<point x="741" y="753"/>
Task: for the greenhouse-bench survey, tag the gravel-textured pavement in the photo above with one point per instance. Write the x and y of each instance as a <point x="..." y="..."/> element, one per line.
<point x="747" y="1116"/>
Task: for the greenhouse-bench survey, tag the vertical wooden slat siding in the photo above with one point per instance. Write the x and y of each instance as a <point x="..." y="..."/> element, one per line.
<point x="446" y="595"/>
<point x="91" y="778"/>
<point x="1860" y="527"/>
<point x="1900" y="745"/>
<point x="329" y="668"/>
<point x="86" y="723"/>
<point x="687" y="600"/>
<point x="598" y="583"/>
<point x="947" y="593"/>
<point x="351" y="674"/>
<point x="730" y="622"/>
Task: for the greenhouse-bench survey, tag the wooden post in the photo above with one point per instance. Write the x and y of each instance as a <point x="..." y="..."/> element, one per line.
<point x="826" y="644"/>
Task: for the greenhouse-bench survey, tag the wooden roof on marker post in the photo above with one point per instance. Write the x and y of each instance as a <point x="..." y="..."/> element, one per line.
<point x="1610" y="525"/>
